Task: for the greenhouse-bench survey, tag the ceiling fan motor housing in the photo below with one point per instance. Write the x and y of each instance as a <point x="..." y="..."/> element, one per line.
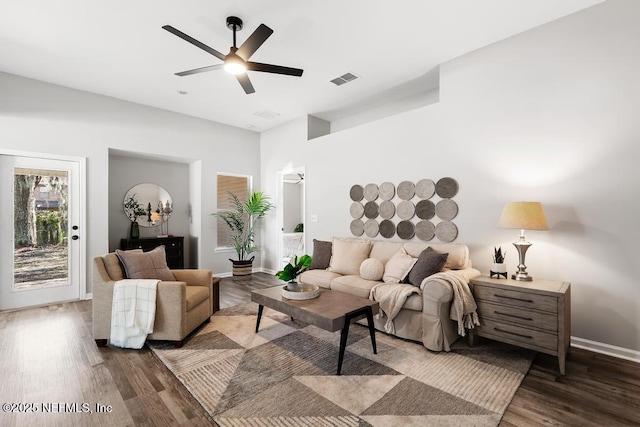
<point x="234" y="23"/>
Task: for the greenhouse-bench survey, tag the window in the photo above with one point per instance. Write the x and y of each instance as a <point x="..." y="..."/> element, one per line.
<point x="241" y="187"/>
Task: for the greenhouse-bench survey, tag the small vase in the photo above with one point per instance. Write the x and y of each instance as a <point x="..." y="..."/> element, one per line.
<point x="292" y="286"/>
<point x="134" y="231"/>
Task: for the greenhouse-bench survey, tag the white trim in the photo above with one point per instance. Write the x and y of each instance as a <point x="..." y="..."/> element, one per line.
<point x="608" y="349"/>
<point x="88" y="295"/>
<point x="82" y="211"/>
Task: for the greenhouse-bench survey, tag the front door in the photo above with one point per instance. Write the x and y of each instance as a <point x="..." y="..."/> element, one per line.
<point x="39" y="249"/>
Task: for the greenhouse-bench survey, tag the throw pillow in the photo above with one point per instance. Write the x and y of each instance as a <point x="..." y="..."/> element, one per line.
<point x="321" y="255"/>
<point x="347" y="255"/>
<point x="429" y="262"/>
<point x="371" y="269"/>
<point x="146" y="265"/>
<point x="398" y="267"/>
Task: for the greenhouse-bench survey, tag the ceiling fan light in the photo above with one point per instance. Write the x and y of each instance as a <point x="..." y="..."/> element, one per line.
<point x="234" y="66"/>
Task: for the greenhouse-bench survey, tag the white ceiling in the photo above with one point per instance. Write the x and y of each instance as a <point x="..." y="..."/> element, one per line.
<point x="118" y="48"/>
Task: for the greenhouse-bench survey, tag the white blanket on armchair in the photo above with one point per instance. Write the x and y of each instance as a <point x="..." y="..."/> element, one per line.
<point x="133" y="312"/>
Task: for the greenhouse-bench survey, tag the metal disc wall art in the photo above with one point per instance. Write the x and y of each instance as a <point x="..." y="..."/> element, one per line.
<point x="356" y="210"/>
<point x="387" y="229"/>
<point x="406" y="190"/>
<point x="425" y="209"/>
<point x="387" y="209"/>
<point x="405" y="230"/>
<point x="425" y="188"/>
<point x="405" y="201"/>
<point x="446" y="209"/>
<point x="356" y="193"/>
<point x="371" y="210"/>
<point x="371" y="192"/>
<point x="357" y="227"/>
<point x="371" y="228"/>
<point x="446" y="188"/>
<point x="387" y="190"/>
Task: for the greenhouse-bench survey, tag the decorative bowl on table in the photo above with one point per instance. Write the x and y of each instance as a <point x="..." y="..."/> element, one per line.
<point x="301" y="292"/>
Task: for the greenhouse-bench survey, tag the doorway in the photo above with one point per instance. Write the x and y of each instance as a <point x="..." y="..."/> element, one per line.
<point x="40" y="250"/>
<point x="291" y="220"/>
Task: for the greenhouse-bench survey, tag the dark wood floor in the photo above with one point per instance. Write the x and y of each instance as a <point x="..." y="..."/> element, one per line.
<point x="48" y="356"/>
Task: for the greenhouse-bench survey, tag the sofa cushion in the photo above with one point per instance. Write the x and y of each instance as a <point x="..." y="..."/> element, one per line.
<point x="113" y="265"/>
<point x="195" y="295"/>
<point x="354" y="285"/>
<point x="320" y="278"/>
<point x="321" y="255"/>
<point x="383" y="250"/>
<point x="371" y="269"/>
<point x="348" y="254"/>
<point x="458" y="253"/>
<point x="429" y="262"/>
<point x="397" y="268"/>
<point x="146" y="265"/>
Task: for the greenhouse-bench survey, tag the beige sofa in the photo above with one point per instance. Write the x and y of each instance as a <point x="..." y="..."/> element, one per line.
<point x="181" y="305"/>
<point x="424" y="317"/>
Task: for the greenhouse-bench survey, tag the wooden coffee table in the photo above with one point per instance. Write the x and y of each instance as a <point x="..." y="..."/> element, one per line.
<point x="331" y="311"/>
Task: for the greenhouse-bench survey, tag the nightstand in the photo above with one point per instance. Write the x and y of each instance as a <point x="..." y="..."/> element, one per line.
<point x="534" y="315"/>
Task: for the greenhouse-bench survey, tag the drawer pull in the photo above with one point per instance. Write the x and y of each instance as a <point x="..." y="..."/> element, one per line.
<point x="513" y="315"/>
<point x="517" y="299"/>
<point x="513" y="333"/>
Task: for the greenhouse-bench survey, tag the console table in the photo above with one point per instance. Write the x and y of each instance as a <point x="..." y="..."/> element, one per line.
<point x="174" y="248"/>
<point x="534" y="315"/>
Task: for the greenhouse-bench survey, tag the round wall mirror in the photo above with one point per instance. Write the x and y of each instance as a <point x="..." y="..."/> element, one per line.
<point x="148" y="204"/>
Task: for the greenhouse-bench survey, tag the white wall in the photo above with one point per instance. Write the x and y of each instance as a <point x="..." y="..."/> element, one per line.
<point x="37" y="117"/>
<point x="550" y="115"/>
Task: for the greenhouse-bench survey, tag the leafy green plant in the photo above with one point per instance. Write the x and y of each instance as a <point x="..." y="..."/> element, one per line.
<point x="133" y="209"/>
<point x="242" y="220"/>
<point x="498" y="255"/>
<point x="292" y="270"/>
<point x="299" y="228"/>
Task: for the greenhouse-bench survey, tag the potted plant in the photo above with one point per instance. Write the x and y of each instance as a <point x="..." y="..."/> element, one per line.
<point x="498" y="265"/>
<point x="292" y="270"/>
<point x="242" y="220"/>
<point x="133" y="210"/>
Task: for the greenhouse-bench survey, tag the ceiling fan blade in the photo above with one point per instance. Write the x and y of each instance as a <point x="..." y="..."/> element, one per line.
<point x="194" y="42"/>
<point x="255" y="40"/>
<point x="200" y="70"/>
<point x="276" y="69"/>
<point x="244" y="81"/>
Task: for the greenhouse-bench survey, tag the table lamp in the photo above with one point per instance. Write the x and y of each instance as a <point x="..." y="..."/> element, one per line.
<point x="525" y="216"/>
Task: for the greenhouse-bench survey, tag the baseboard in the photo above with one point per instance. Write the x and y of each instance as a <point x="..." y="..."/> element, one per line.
<point x="89" y="295"/>
<point x="609" y="350"/>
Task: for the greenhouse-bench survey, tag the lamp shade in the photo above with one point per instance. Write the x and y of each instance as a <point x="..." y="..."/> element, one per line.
<point x="523" y="215"/>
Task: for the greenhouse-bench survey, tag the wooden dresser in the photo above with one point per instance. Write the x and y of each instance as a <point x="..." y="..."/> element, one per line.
<point x="174" y="248"/>
<point x="534" y="315"/>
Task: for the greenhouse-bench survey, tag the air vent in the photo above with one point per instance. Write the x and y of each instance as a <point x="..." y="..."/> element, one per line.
<point x="345" y="78"/>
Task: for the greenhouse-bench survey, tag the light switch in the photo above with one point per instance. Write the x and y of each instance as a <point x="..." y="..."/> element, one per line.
<point x="314" y="218"/>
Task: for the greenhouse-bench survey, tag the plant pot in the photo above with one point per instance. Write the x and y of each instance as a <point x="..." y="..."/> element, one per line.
<point x="242" y="269"/>
<point x="499" y="267"/>
<point x="134" y="231"/>
<point x="292" y="286"/>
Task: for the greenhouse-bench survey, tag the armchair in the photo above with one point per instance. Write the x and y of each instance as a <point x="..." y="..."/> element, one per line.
<point x="181" y="305"/>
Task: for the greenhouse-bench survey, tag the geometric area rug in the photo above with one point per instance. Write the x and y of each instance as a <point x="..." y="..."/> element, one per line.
<point x="285" y="375"/>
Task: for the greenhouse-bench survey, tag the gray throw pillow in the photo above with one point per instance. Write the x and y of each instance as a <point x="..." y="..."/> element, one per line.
<point x="321" y="255"/>
<point x="145" y="265"/>
<point x="429" y="262"/>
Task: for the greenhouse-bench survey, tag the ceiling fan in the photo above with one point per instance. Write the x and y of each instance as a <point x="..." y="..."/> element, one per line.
<point x="237" y="60"/>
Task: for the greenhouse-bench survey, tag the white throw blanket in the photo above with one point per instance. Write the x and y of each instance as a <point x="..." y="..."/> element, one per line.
<point x="391" y="297"/>
<point x="133" y="312"/>
<point x="463" y="306"/>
